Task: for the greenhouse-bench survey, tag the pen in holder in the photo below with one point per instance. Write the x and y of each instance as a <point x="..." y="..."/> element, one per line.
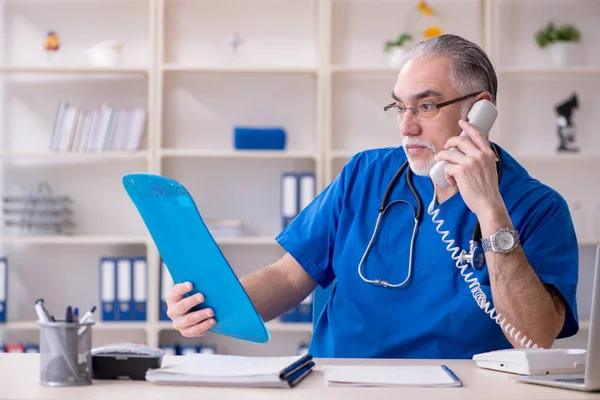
<point x="66" y="354"/>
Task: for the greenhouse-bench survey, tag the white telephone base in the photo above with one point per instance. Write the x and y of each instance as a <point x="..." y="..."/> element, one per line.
<point x="533" y="361"/>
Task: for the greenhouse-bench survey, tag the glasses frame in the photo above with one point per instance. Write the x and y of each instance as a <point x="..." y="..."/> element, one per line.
<point x="437" y="106"/>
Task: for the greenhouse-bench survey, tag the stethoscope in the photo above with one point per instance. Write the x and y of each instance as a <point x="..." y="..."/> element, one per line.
<point x="475" y="257"/>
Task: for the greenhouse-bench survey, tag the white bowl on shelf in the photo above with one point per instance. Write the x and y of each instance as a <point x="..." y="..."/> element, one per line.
<point x="105" y="54"/>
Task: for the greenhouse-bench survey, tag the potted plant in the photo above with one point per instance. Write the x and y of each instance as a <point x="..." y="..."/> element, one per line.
<point x="561" y="41"/>
<point x="399" y="46"/>
<point x="397" y="49"/>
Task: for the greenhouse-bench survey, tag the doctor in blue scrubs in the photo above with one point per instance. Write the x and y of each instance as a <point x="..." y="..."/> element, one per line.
<point x="409" y="290"/>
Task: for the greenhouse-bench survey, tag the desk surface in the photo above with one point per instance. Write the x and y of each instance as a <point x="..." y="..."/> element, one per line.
<point x="19" y="374"/>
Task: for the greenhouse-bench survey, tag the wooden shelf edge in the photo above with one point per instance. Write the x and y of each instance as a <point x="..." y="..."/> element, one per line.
<point x="34" y="69"/>
<point x="250" y="154"/>
<point x="74" y="240"/>
<point x="229" y="69"/>
<point x="68" y="155"/>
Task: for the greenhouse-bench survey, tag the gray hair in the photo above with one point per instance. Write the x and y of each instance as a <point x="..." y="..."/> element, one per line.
<point x="472" y="70"/>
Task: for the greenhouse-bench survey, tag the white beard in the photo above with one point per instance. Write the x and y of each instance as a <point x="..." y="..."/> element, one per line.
<point x="419" y="167"/>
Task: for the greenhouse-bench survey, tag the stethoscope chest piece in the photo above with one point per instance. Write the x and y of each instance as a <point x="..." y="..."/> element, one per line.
<point x="475" y="256"/>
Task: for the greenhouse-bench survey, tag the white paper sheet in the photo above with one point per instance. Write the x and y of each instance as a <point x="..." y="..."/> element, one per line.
<point x="415" y="375"/>
<point x="219" y="365"/>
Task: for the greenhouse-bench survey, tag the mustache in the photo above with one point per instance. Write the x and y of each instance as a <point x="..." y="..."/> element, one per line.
<point x="414" y="141"/>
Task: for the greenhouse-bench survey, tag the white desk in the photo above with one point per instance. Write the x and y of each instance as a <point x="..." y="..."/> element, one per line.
<point x="19" y="374"/>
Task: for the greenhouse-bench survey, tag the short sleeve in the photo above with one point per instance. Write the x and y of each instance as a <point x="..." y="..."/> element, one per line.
<point x="310" y="237"/>
<point x="552" y="250"/>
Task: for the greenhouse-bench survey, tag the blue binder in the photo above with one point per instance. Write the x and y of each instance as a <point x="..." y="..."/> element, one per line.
<point x="140" y="285"/>
<point x="124" y="309"/>
<point x="3" y="288"/>
<point x="108" y="288"/>
<point x="164" y="286"/>
<point x="191" y="254"/>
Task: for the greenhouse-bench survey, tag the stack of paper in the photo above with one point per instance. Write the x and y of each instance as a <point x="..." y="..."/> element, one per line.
<point x="417" y="375"/>
<point x="226" y="370"/>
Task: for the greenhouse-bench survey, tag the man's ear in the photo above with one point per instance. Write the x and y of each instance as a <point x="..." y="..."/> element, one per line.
<point x="484" y="96"/>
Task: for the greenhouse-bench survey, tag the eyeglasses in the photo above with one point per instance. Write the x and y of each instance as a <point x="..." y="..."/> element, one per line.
<point x="426" y="109"/>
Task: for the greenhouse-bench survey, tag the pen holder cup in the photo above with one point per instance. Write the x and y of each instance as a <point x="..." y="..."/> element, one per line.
<point x="65" y="353"/>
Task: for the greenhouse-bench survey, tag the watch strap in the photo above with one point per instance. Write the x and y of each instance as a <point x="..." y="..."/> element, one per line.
<point x="487" y="244"/>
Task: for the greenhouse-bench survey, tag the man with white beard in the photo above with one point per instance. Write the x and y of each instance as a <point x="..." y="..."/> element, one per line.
<point x="400" y="277"/>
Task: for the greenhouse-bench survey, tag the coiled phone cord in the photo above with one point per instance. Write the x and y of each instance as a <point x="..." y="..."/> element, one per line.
<point x="474" y="285"/>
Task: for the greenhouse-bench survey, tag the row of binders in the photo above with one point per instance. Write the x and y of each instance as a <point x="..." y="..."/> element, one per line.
<point x="185" y="349"/>
<point x="19" y="348"/>
<point x="297" y="191"/>
<point x="100" y="129"/>
<point x="301" y="313"/>
<point x="3" y="287"/>
<point x="123" y="288"/>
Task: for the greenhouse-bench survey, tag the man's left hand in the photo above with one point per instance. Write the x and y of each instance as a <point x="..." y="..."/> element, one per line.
<point x="473" y="171"/>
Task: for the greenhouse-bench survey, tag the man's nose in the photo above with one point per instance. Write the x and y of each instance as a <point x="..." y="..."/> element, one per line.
<point x="409" y="125"/>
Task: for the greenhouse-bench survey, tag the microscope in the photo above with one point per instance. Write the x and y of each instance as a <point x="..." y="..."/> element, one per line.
<point x="567" y="133"/>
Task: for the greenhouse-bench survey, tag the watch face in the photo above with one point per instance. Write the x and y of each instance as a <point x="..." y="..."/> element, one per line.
<point x="504" y="240"/>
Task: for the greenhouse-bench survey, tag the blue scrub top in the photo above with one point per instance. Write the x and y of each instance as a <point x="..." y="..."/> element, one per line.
<point x="434" y="315"/>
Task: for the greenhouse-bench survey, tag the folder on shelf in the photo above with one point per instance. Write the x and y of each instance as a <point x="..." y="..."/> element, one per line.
<point x="186" y="349"/>
<point x="169" y="349"/>
<point x="166" y="284"/>
<point x="304" y="310"/>
<point x="234" y="371"/>
<point x="207" y="349"/>
<point x="108" y="288"/>
<point x="140" y="292"/>
<point x="191" y="254"/>
<point x="3" y="288"/>
<point x="289" y="198"/>
<point x="259" y="138"/>
<point x="306" y="190"/>
<point x="124" y="289"/>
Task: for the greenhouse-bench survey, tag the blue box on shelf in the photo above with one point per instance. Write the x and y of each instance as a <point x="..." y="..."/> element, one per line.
<point x="259" y="138"/>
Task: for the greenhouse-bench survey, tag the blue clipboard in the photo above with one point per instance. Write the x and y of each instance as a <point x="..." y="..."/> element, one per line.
<point x="192" y="255"/>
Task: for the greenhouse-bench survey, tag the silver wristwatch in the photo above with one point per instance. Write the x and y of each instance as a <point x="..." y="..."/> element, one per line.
<point x="504" y="240"/>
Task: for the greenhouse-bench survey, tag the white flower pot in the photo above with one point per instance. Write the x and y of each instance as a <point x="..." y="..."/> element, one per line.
<point x="105" y="54"/>
<point x="562" y="54"/>
<point x="397" y="57"/>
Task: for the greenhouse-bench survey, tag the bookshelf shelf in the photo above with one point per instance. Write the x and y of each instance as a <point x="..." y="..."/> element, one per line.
<point x="349" y="69"/>
<point x="247" y="241"/>
<point x="192" y="153"/>
<point x="75" y="240"/>
<point x="557" y="158"/>
<point x="272" y="326"/>
<point x="72" y="155"/>
<point x="559" y="72"/>
<point x="73" y="70"/>
<point x="238" y="69"/>
<point x="98" y="326"/>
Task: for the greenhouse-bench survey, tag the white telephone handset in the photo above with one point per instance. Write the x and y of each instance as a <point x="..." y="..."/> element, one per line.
<point x="482" y="115"/>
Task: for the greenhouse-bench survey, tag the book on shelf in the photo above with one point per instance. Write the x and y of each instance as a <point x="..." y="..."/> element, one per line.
<point x="104" y="128"/>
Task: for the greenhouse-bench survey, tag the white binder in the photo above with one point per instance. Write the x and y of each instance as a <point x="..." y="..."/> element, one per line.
<point x="289" y="198"/>
<point x="3" y="288"/>
<point x="166" y="284"/>
<point x="124" y="289"/>
<point x="140" y="291"/>
<point x="108" y="288"/>
<point x="307" y="190"/>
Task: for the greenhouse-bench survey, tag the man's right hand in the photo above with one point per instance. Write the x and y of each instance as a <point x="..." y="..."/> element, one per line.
<point x="188" y="324"/>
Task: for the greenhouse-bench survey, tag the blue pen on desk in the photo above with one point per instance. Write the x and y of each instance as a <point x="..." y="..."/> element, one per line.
<point x="452" y="375"/>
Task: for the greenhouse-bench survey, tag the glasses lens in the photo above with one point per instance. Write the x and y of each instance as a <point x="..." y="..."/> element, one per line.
<point x="393" y="111"/>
